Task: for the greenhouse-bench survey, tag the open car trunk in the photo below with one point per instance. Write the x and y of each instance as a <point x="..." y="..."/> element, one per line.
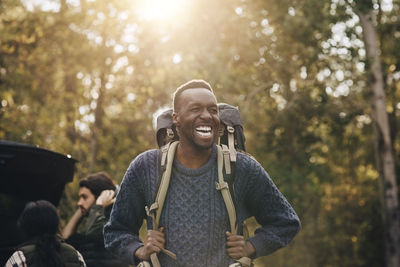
<point x="27" y="173"/>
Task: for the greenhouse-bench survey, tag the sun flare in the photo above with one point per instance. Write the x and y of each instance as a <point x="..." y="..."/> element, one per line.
<point x="159" y="9"/>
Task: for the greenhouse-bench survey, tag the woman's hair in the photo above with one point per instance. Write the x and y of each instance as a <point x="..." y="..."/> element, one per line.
<point x="39" y="223"/>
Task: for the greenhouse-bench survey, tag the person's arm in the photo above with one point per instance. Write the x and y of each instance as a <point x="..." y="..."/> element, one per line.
<point x="121" y="233"/>
<point x="96" y="218"/>
<point x="72" y="224"/>
<point x="279" y="222"/>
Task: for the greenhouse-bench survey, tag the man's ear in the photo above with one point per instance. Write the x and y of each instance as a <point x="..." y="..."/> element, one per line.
<point x="175" y="119"/>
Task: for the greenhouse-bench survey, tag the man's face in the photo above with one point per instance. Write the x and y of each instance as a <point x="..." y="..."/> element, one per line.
<point x="86" y="199"/>
<point x="197" y="118"/>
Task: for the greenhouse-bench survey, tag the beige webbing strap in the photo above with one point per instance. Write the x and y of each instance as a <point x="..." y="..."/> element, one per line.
<point x="231" y="142"/>
<point x="244" y="261"/>
<point x="227" y="161"/>
<point x="154" y="260"/>
<point x="224" y="188"/>
<point x="163" y="188"/>
<point x="224" y="158"/>
<point x="164" y="151"/>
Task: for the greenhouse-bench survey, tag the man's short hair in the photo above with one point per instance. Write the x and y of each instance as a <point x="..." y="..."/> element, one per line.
<point x="97" y="182"/>
<point x="189" y="85"/>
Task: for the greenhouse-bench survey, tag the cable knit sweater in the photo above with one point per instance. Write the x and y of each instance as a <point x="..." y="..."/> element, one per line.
<point x="194" y="214"/>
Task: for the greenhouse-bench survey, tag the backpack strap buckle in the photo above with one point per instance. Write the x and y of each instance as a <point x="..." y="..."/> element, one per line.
<point x="227" y="158"/>
<point x="221" y="185"/>
<point x="153" y="207"/>
<point x="231" y="142"/>
<point x="164" y="152"/>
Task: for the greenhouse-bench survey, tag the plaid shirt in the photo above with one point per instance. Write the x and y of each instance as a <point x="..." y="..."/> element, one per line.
<point x="18" y="260"/>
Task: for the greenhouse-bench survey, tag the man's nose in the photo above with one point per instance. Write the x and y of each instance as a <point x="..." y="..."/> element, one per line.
<point x="205" y="114"/>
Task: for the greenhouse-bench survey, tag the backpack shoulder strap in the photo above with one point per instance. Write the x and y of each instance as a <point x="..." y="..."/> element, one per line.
<point x="231" y="142"/>
<point x="167" y="158"/>
<point x="223" y="186"/>
<point x="227" y="166"/>
<point x="229" y="169"/>
<point x="165" y="167"/>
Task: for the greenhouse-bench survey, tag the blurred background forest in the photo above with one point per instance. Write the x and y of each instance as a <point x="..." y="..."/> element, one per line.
<point x="85" y="78"/>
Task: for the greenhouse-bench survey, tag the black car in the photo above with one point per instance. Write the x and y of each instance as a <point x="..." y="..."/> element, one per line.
<point x="27" y="173"/>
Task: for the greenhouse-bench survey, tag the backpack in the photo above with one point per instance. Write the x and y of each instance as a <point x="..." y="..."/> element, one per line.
<point x="231" y="130"/>
<point x="231" y="138"/>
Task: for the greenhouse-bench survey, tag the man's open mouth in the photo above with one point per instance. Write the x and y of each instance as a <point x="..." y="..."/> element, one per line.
<point x="204" y="131"/>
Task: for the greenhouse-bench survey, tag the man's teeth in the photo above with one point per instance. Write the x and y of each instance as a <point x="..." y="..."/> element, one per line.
<point x="204" y="134"/>
<point x="204" y="130"/>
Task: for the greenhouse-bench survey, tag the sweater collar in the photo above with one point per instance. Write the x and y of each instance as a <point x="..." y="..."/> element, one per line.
<point x="178" y="167"/>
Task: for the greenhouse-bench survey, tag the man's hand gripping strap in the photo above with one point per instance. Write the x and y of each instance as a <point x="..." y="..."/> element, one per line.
<point x="168" y="153"/>
<point x="223" y="156"/>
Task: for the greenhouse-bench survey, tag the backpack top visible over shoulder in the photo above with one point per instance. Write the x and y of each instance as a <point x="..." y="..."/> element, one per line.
<point x="231" y="130"/>
<point x="231" y="125"/>
<point x="229" y="115"/>
<point x="165" y="128"/>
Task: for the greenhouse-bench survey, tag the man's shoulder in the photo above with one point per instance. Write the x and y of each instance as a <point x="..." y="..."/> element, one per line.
<point x="247" y="164"/>
<point x="67" y="247"/>
<point x="147" y="156"/>
<point x="149" y="152"/>
<point x="27" y="247"/>
<point x="245" y="159"/>
<point x="145" y="160"/>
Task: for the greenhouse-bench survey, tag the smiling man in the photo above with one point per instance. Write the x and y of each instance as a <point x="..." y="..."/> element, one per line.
<point x="194" y="221"/>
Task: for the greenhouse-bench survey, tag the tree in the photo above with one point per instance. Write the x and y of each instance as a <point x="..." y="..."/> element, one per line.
<point x="383" y="142"/>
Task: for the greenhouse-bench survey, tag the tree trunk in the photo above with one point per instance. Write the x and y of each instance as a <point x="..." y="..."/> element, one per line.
<point x="384" y="145"/>
<point x="97" y="125"/>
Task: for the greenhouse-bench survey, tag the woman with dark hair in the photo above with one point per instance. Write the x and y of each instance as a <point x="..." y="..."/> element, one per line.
<point x="39" y="223"/>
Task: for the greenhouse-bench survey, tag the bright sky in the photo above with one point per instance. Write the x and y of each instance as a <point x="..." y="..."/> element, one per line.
<point x="146" y="9"/>
<point x="45" y="5"/>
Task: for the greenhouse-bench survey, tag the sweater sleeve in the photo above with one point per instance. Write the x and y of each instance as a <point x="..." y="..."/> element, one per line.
<point x="121" y="233"/>
<point x="279" y="222"/>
